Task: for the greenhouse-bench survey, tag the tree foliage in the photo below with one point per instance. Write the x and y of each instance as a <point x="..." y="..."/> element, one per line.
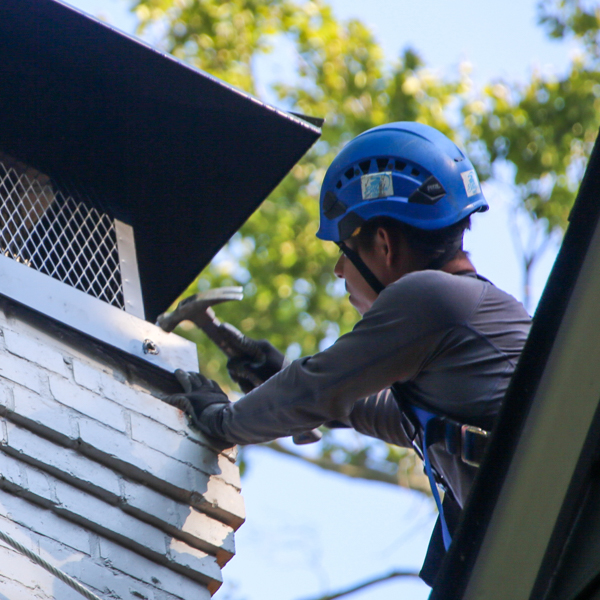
<point x="543" y="130"/>
<point x="291" y="296"/>
<point x="536" y="135"/>
<point x="577" y="18"/>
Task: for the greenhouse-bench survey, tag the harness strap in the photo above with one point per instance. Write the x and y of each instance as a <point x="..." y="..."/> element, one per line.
<point x="426" y="419"/>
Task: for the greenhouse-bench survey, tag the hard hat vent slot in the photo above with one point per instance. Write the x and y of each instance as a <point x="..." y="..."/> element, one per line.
<point x="349" y="173"/>
<point x="382" y="163"/>
<point x="400" y="166"/>
<point x="415" y="172"/>
<point x="365" y="166"/>
<point x="338" y="185"/>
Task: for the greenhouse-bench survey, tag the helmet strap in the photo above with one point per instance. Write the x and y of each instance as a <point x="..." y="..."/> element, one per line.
<point x="361" y="267"/>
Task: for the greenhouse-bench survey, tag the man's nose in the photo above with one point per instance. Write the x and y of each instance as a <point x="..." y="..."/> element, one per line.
<point x="338" y="270"/>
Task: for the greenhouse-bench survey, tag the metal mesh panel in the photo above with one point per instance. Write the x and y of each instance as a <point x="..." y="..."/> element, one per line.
<point x="48" y="230"/>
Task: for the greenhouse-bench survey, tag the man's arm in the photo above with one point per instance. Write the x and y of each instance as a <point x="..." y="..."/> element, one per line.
<point x="379" y="416"/>
<point x="392" y="342"/>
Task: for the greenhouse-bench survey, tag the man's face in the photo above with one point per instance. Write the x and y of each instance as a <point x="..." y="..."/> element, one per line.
<point x="361" y="293"/>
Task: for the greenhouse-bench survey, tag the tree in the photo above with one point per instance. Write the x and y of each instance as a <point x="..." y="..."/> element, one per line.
<point x="287" y="273"/>
<point x="538" y="136"/>
<point x="542" y="131"/>
<point x="573" y="18"/>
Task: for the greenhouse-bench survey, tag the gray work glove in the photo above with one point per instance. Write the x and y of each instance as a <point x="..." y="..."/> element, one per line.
<point x="203" y="400"/>
<point x="260" y="362"/>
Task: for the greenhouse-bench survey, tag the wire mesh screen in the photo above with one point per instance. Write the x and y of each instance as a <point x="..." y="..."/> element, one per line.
<point x="46" y="229"/>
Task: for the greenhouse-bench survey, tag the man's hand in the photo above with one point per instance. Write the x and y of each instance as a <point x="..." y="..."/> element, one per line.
<point x="248" y="371"/>
<point x="203" y="400"/>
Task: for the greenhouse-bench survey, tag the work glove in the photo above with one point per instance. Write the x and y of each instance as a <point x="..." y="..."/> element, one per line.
<point x="203" y="400"/>
<point x="260" y="361"/>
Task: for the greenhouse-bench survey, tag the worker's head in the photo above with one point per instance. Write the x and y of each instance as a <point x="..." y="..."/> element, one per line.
<point x="406" y="186"/>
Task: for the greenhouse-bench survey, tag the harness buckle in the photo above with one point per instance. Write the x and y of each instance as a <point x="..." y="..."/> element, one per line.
<point x="473" y="440"/>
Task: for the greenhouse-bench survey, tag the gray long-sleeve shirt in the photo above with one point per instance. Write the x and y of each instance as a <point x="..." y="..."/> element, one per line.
<point x="452" y="343"/>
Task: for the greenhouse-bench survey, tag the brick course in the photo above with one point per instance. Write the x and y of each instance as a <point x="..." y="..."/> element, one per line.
<point x="104" y="479"/>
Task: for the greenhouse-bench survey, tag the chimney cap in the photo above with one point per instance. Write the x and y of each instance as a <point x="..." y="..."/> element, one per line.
<point x="176" y="153"/>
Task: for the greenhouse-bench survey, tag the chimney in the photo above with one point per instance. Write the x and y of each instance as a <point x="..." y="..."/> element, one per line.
<point x="122" y="173"/>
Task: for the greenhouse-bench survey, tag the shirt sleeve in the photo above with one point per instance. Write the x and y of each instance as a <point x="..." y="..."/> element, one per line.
<point x="391" y="343"/>
<point x="379" y="416"/>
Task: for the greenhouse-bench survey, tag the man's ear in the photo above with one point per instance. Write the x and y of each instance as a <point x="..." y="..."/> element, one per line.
<point x="385" y="246"/>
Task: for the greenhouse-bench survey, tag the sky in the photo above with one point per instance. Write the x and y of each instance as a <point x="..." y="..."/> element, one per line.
<point x="308" y="532"/>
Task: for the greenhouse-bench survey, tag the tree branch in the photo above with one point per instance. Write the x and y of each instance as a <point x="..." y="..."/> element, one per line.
<point x="365" y="584"/>
<point x="415" y="482"/>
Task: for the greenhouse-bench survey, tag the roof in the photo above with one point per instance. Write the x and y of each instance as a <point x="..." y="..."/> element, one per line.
<point x="531" y="528"/>
<point x="177" y="154"/>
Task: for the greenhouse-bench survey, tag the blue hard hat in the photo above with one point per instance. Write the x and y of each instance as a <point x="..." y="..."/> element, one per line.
<point x="408" y="171"/>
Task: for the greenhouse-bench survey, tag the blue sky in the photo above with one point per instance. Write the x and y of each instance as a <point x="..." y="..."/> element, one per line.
<point x="308" y="532"/>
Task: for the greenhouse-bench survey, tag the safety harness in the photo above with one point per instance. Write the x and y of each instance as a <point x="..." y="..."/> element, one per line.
<point x="466" y="441"/>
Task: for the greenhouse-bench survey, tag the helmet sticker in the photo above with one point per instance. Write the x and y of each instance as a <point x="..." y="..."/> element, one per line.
<point x="471" y="183"/>
<point x="377" y="185"/>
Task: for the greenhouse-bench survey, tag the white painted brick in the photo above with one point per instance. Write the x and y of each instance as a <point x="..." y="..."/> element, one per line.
<point x="138" y="459"/>
<point x="6" y="397"/>
<point x="182" y="554"/>
<point x="199" y="529"/>
<point x="16" y="567"/>
<point x="12" y="471"/>
<point x="155" y="434"/>
<point x="183" y="449"/>
<point x="64" y="592"/>
<point x="210" y="495"/>
<point x="12" y="590"/>
<point x="22" y="372"/>
<point x="87" y="403"/>
<point x="210" y="535"/>
<point x="43" y="413"/>
<point x="112" y="522"/>
<point x="219" y="536"/>
<point x="87" y="376"/>
<point x="139" y="401"/>
<point x="109" y="583"/>
<point x="229" y="472"/>
<point x="42" y="521"/>
<point x="172" y="443"/>
<point x="108" y="520"/>
<point x="151" y="573"/>
<point x="39" y="483"/>
<point x="165" y="453"/>
<point x="58" y="459"/>
<point x="37" y="581"/>
<point x="113" y="583"/>
<point x="225" y="501"/>
<point x="35" y="350"/>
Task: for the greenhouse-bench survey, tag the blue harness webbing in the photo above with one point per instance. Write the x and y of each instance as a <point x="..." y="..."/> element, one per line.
<point x="425" y="418"/>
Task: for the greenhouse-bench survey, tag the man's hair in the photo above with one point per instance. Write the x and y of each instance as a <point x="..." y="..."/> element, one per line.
<point x="436" y="247"/>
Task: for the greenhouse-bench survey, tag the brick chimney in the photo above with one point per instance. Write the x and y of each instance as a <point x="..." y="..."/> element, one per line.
<point x="122" y="173"/>
<point x="101" y="477"/>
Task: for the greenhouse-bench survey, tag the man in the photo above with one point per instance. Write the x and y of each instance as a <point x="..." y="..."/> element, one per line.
<point x="430" y="360"/>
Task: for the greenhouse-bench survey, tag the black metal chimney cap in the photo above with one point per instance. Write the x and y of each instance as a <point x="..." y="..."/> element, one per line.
<point x="179" y="155"/>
